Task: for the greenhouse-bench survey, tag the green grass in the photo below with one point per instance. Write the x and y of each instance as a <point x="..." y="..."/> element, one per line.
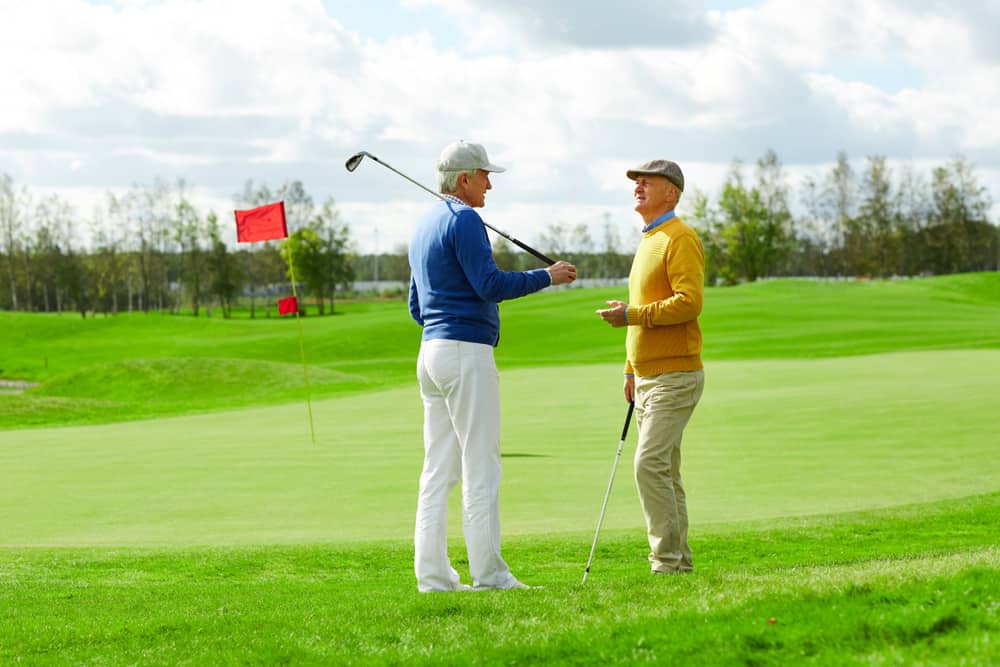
<point x="114" y="368"/>
<point x="842" y="472"/>
<point x="770" y="439"/>
<point x="912" y="585"/>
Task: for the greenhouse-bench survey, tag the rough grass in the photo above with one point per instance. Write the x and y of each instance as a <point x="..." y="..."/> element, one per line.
<point x="912" y="585"/>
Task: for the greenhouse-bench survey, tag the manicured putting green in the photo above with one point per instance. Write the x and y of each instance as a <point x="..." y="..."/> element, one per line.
<point x="771" y="438"/>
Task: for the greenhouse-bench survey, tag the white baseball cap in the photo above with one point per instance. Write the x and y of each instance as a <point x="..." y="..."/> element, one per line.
<point x="463" y="156"/>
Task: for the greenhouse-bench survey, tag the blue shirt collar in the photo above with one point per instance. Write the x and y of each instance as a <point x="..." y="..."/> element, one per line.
<point x="659" y="221"/>
<point x="453" y="199"/>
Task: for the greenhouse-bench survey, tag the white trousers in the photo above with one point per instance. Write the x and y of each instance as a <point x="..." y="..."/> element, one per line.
<point x="460" y="388"/>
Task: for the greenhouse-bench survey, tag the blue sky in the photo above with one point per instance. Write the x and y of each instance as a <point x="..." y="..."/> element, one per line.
<point x="566" y="94"/>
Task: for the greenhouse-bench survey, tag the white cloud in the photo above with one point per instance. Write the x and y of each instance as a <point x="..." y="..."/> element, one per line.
<point x="219" y="91"/>
<point x="596" y="24"/>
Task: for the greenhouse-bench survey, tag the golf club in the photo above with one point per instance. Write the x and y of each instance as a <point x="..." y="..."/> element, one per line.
<point x="604" y="507"/>
<point x="353" y="162"/>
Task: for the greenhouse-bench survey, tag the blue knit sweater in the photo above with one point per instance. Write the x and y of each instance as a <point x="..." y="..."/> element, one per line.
<point x="455" y="284"/>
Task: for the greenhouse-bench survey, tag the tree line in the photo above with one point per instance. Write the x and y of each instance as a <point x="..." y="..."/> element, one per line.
<point x="151" y="249"/>
<point x="845" y="224"/>
<point x="876" y="223"/>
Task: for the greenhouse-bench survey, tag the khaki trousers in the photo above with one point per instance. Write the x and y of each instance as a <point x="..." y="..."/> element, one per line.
<point x="663" y="405"/>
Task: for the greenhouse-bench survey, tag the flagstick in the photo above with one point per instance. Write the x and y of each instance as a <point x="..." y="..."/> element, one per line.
<point x="302" y="349"/>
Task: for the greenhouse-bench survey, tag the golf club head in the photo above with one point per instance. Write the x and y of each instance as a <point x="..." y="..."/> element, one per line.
<point x="353" y="161"/>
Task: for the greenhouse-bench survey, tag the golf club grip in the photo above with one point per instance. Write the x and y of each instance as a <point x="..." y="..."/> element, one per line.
<point x="628" y="419"/>
<point x="534" y="252"/>
<point x="522" y="246"/>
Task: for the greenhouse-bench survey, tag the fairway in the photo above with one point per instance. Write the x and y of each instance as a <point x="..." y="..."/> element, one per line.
<point x="771" y="439"/>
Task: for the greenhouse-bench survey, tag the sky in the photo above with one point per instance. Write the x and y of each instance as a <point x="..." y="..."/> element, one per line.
<point x="99" y="96"/>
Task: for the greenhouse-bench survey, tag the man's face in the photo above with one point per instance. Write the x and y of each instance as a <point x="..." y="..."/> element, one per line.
<point x="476" y="187"/>
<point x="654" y="195"/>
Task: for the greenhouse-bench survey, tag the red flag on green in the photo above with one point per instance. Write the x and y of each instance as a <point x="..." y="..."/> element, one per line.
<point x="264" y="223"/>
<point x="288" y="306"/>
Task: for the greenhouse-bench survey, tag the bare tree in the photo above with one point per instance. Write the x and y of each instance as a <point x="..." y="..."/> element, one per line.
<point x="54" y="234"/>
<point x="188" y="234"/>
<point x="13" y="204"/>
<point x="839" y="196"/>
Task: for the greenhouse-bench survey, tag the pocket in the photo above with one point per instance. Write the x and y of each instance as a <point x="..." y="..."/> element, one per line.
<point x="675" y="391"/>
<point x="442" y="359"/>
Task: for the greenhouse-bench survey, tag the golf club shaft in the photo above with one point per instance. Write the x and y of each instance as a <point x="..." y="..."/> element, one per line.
<point x="523" y="246"/>
<point x="607" y="494"/>
<point x="419" y="185"/>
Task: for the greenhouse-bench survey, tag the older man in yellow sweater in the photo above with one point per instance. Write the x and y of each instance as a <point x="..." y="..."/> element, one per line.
<point x="663" y="370"/>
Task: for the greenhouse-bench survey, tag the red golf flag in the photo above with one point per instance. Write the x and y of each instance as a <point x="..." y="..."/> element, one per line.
<point x="264" y="223"/>
<point x="288" y="306"/>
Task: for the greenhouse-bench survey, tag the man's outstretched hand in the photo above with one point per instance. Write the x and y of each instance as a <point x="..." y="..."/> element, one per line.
<point x="615" y="315"/>
<point x="562" y="273"/>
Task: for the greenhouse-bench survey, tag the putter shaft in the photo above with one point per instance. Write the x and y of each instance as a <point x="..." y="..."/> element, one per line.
<point x="607" y="494"/>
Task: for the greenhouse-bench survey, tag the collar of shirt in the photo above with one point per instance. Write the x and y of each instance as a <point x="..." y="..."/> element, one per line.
<point x="659" y="221"/>
<point x="454" y="200"/>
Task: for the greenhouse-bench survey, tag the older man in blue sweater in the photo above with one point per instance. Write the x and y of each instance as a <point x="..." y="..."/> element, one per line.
<point x="454" y="292"/>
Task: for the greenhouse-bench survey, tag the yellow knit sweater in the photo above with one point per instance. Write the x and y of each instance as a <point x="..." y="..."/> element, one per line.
<point x="666" y="288"/>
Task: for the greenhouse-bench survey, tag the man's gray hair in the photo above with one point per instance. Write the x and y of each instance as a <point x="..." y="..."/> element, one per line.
<point x="447" y="180"/>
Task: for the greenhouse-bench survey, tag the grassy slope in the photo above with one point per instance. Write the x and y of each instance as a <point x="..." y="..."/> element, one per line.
<point x="109" y="369"/>
<point x="912" y="585"/>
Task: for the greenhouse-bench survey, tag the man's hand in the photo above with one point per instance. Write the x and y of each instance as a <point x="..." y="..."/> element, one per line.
<point x="629" y="389"/>
<point x="562" y="273"/>
<point x="615" y="315"/>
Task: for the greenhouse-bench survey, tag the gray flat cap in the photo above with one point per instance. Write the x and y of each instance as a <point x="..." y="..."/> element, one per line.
<point x="665" y="168"/>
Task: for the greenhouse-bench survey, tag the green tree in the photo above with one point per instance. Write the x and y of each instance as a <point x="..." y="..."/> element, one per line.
<point x="319" y="252"/>
<point x="263" y="266"/>
<point x="912" y="207"/>
<point x="337" y="266"/>
<point x="877" y="224"/>
<point x="962" y="238"/>
<point x="751" y="227"/>
<point x="706" y="220"/>
<point x="223" y="267"/>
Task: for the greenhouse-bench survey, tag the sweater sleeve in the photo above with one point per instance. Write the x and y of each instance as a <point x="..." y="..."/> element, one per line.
<point x="415" y="303"/>
<point x="472" y="247"/>
<point x="685" y="269"/>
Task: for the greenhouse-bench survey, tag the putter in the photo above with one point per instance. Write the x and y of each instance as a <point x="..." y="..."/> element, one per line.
<point x="353" y="162"/>
<point x="604" y="507"/>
